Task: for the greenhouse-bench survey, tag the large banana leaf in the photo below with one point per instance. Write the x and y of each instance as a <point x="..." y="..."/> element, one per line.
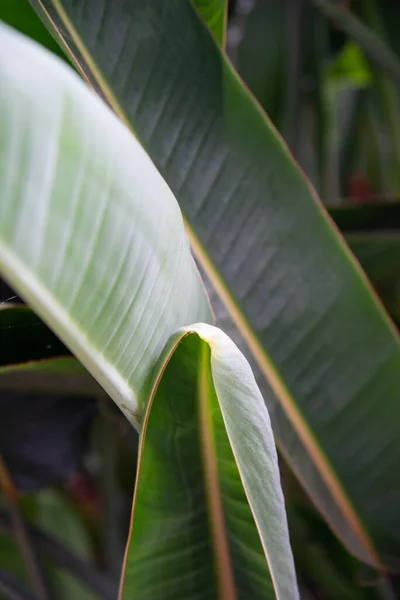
<point x="93" y="239"/>
<point x="202" y="503"/>
<point x="327" y="349"/>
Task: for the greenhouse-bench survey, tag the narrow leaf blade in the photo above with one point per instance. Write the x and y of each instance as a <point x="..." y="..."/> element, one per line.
<point x="326" y="348"/>
<point x="219" y="507"/>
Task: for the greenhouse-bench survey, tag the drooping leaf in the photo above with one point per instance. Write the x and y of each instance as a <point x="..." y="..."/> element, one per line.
<point x="194" y="442"/>
<point x="350" y="66"/>
<point x="81" y="231"/>
<point x="326" y="349"/>
<point x="106" y="263"/>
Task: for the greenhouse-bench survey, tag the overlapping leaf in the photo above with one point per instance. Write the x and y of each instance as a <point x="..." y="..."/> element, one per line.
<point x="198" y="422"/>
<point x="326" y="348"/>
<point x="92" y="237"/>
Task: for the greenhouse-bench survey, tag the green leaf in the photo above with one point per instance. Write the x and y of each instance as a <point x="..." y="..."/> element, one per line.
<point x="50" y="250"/>
<point x="215" y="14"/>
<point x="194" y="442"/>
<point x="368" y="40"/>
<point x="93" y="238"/>
<point x="350" y="67"/>
<point x="372" y="232"/>
<point x="326" y="349"/>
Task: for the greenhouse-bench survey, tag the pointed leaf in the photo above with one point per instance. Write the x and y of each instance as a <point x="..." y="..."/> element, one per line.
<point x="211" y="511"/>
<point x="53" y="251"/>
<point x="215" y="14"/>
<point x="93" y="238"/>
<point x="326" y="348"/>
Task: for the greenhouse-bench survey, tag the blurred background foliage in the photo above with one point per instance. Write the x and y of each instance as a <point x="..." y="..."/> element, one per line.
<point x="328" y="75"/>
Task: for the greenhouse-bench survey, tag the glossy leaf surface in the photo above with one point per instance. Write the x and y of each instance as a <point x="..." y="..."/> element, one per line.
<point x="80" y="232"/>
<point x="106" y="263"/>
<point x="196" y="467"/>
<point x="327" y="350"/>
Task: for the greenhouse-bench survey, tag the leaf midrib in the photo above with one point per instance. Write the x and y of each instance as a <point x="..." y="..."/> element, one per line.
<point x="291" y="408"/>
<point x="222" y="559"/>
